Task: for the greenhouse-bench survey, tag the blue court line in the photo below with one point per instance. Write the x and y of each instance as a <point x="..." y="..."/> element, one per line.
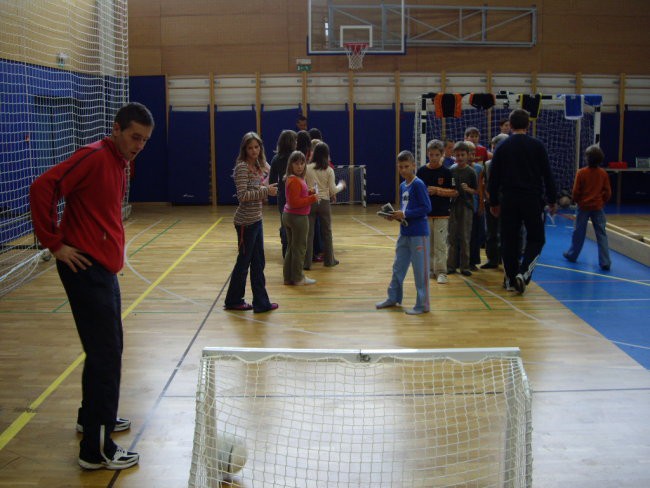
<point x="616" y="303"/>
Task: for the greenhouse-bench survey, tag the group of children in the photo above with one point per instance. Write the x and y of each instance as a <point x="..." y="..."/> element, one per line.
<point x="443" y="204"/>
<point x="451" y="193"/>
<point x="302" y="178"/>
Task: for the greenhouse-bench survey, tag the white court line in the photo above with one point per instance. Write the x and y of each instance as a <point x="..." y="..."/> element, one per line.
<point x="141" y="276"/>
<point x="552" y="323"/>
<point x="380" y="232"/>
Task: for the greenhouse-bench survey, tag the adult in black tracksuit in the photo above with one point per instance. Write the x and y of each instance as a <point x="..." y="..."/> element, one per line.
<point x="520" y="182"/>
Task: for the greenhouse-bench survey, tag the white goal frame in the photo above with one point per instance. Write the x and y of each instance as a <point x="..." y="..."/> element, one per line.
<point x="204" y="472"/>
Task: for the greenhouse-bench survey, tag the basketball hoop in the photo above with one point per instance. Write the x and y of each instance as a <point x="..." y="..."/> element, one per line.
<point x="355" y="52"/>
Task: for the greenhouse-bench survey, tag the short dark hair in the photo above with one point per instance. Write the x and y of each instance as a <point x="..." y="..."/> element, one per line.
<point x="301" y="118"/>
<point x="462" y="146"/>
<point x="519" y="119"/>
<point x="594" y="156"/>
<point x="436" y="144"/>
<point x="315" y="133"/>
<point x="133" y="112"/>
<point x="405" y="156"/>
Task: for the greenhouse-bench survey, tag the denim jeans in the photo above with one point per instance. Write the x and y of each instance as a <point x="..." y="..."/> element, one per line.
<point x="411" y="251"/>
<point x="250" y="241"/>
<point x="578" y="239"/>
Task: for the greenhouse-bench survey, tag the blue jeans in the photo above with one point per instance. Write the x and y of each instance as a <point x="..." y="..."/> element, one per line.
<point x="578" y="239"/>
<point x="250" y="241"/>
<point x="411" y="250"/>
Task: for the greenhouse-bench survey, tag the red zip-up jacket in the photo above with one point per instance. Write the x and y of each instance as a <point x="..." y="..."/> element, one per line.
<point x="93" y="183"/>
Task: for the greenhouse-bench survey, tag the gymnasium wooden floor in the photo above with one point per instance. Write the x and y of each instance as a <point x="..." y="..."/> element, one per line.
<point x="591" y="403"/>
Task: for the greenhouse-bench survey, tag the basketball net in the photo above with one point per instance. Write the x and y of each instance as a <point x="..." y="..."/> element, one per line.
<point x="355" y="52"/>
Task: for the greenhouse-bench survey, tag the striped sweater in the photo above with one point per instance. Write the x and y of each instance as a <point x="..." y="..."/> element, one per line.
<point x="250" y="194"/>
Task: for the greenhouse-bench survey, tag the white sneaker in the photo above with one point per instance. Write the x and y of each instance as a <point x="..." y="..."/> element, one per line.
<point x="442" y="279"/>
<point x="122" y="459"/>
<point x="520" y="284"/>
<point x="305" y="281"/>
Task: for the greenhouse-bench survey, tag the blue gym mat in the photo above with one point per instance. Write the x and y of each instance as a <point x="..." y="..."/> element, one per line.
<point x="616" y="303"/>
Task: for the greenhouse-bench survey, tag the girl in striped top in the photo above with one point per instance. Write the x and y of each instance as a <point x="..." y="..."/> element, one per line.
<point x="250" y="173"/>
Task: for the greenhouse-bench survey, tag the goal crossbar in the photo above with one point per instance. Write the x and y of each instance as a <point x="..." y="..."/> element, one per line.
<point x="368" y="355"/>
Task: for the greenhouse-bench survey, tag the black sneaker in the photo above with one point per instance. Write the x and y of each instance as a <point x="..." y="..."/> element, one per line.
<point x="120" y="425"/>
<point x="466" y="272"/>
<point x="520" y="284"/>
<point x="489" y="265"/>
<point x="122" y="459"/>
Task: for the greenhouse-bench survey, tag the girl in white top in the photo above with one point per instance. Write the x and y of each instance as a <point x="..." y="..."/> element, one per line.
<point x="320" y="176"/>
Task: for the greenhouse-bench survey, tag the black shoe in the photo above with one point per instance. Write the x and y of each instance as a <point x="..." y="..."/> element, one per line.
<point x="605" y="268"/>
<point x="566" y="256"/>
<point x="451" y="271"/>
<point x="520" y="284"/>
<point x="489" y="265"/>
<point x="473" y="268"/>
<point x="466" y="272"/>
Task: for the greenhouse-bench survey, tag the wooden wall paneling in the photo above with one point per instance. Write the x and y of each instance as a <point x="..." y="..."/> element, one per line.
<point x="572" y="36"/>
<point x="144" y="31"/>
<point x="146" y="61"/>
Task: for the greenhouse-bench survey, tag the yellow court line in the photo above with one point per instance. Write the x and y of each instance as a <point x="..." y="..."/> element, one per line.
<point x="591" y="273"/>
<point x="24" y="418"/>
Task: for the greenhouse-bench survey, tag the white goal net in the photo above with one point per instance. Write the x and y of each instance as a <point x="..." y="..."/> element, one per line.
<point x="565" y="140"/>
<point x="312" y="418"/>
<point x="354" y="177"/>
<point x="63" y="76"/>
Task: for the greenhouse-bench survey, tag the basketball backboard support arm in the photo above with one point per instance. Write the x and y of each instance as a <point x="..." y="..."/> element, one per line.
<point x="396" y="25"/>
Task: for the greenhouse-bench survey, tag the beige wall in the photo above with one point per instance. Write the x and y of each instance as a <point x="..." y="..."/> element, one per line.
<point x="35" y="33"/>
<point x="187" y="37"/>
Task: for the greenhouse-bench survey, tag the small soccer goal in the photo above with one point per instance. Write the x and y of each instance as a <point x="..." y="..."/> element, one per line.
<point x="354" y="177"/>
<point x="362" y="418"/>
<point x="565" y="139"/>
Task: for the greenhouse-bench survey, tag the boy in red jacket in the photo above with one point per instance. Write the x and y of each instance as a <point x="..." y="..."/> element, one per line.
<point x="591" y="190"/>
<point x="88" y="245"/>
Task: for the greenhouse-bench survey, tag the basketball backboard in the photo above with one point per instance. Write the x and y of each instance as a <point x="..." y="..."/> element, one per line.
<point x="333" y="23"/>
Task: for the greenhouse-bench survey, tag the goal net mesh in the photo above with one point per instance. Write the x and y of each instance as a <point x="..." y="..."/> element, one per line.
<point x="63" y="76"/>
<point x="393" y="422"/>
<point x="563" y="138"/>
<point x="354" y="177"/>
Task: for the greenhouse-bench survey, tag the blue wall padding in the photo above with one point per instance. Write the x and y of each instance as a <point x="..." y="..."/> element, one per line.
<point x="150" y="169"/>
<point x="334" y="126"/>
<point x="230" y="127"/>
<point x="374" y="143"/>
<point x="635" y="135"/>
<point x="609" y="124"/>
<point x="406" y="123"/>
<point x="273" y="123"/>
<point x="189" y="157"/>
